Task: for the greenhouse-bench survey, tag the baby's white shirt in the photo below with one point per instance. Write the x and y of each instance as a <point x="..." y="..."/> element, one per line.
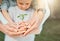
<point x="15" y="11"/>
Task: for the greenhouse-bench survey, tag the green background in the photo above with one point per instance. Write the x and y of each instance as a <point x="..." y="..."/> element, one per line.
<point x="50" y="32"/>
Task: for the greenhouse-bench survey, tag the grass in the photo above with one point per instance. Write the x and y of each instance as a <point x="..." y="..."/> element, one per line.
<point x="50" y="32"/>
<point x="1" y="36"/>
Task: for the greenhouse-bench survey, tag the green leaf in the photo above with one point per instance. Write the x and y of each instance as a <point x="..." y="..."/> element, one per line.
<point x="25" y="14"/>
<point x="18" y="16"/>
<point x="21" y="16"/>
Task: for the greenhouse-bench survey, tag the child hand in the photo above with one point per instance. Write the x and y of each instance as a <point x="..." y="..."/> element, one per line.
<point x="24" y="26"/>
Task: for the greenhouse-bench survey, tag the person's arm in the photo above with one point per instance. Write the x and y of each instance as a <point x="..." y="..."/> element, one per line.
<point x="35" y="22"/>
<point x="2" y="19"/>
<point x="37" y="17"/>
<point x="6" y="15"/>
<point x="6" y="29"/>
<point x="10" y="31"/>
<point x="4" y="8"/>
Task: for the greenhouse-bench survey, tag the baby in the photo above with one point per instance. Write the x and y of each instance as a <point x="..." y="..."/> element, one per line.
<point x="21" y="13"/>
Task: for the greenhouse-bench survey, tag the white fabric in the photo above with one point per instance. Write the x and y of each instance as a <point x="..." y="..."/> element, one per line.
<point x="14" y="12"/>
<point x="47" y="14"/>
<point x="27" y="38"/>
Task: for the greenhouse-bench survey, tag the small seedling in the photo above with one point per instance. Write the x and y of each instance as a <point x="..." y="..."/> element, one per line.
<point x="21" y="16"/>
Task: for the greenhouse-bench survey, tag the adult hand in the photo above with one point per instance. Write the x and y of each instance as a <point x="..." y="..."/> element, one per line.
<point x="35" y="21"/>
<point x="10" y="31"/>
<point x="32" y="27"/>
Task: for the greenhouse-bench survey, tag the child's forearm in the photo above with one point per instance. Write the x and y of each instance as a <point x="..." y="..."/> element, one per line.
<point x="6" y="15"/>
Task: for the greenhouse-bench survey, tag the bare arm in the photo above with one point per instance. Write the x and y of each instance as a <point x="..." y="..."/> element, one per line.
<point x="9" y="30"/>
<point x="37" y="18"/>
<point x="6" y="15"/>
<point x="35" y="22"/>
<point x="4" y="7"/>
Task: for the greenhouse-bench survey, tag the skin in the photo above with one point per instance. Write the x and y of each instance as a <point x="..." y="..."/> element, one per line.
<point x="12" y="26"/>
<point x="8" y="30"/>
<point x="36" y="22"/>
<point x="9" y="25"/>
<point x="24" y="5"/>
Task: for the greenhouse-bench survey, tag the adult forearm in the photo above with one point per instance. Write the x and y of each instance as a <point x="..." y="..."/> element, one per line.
<point x="2" y="19"/>
<point x="6" y="15"/>
<point x="1" y="26"/>
<point x="40" y="17"/>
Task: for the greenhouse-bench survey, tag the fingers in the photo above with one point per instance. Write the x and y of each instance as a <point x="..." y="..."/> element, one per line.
<point x="22" y="29"/>
<point x="28" y="31"/>
<point x="21" y="22"/>
<point x="11" y="29"/>
<point x="13" y="25"/>
<point x="28" y="25"/>
<point x="22" y="25"/>
<point x="14" y="34"/>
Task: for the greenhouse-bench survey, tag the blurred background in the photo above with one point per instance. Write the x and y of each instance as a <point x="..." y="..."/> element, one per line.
<point x="55" y="8"/>
<point x="51" y="28"/>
